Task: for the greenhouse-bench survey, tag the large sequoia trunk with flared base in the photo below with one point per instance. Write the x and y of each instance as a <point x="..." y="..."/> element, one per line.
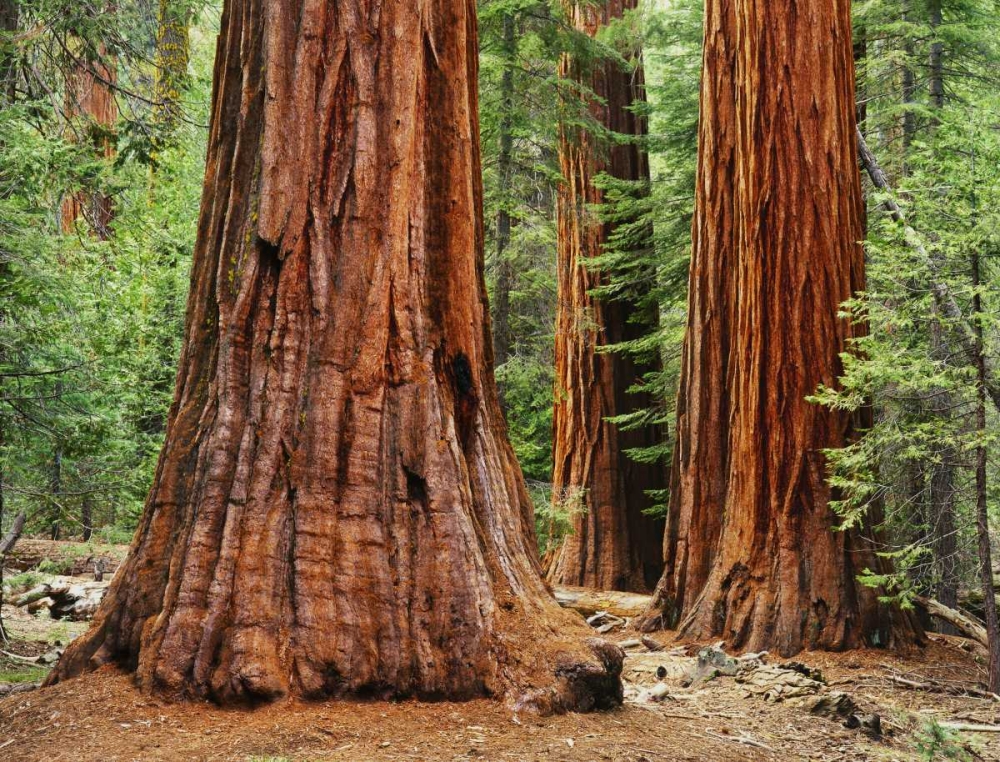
<point x="613" y="544"/>
<point x="779" y="178"/>
<point x="337" y="509"/>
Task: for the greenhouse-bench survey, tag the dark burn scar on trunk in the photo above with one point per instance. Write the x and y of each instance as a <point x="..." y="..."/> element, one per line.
<point x="416" y="486"/>
<point x="462" y="372"/>
<point x="459" y="373"/>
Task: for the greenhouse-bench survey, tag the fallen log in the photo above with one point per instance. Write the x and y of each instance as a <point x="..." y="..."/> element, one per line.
<point x="35" y="606"/>
<point x="966" y="626"/>
<point x="18" y="657"/>
<point x="969" y="727"/>
<point x="972" y="600"/>
<point x="933" y="686"/>
<point x="74" y="559"/>
<point x="77" y="602"/>
<point x="37" y="593"/>
<point x="590" y="602"/>
<point x="9" y="689"/>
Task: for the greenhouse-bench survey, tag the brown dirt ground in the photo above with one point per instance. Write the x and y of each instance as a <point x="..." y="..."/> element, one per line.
<point x="102" y="717"/>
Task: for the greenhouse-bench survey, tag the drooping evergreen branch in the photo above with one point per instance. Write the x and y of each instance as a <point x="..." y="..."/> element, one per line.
<point x="962" y="330"/>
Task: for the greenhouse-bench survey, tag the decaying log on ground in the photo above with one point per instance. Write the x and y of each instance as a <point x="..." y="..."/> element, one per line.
<point x="590" y="602"/>
<point x="9" y="689"/>
<point x="970" y="728"/>
<point x="933" y="686"/>
<point x="968" y="627"/>
<point x="74" y="559"/>
<point x="35" y="606"/>
<point x="78" y="602"/>
<point x="971" y="600"/>
<point x="32" y="595"/>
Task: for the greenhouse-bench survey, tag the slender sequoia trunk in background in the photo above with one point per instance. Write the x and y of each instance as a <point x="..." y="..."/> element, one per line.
<point x="8" y="83"/>
<point x="173" y="54"/>
<point x="982" y="512"/>
<point x="86" y="518"/>
<point x="781" y="578"/>
<point x="943" y="489"/>
<point x="701" y="456"/>
<point x="502" y="338"/>
<point x="860" y="87"/>
<point x="56" y="476"/>
<point x="909" y="91"/>
<point x="337" y="509"/>
<point x="613" y="545"/>
<point x="92" y="111"/>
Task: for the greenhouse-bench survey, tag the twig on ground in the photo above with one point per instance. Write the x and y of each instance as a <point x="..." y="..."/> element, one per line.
<point x="741" y="739"/>
<point x="970" y="728"/>
<point x="18" y="657"/>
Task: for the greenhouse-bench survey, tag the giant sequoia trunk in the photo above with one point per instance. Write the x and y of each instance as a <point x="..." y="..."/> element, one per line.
<point x="613" y="545"/>
<point x="701" y="456"/>
<point x="337" y="509"/>
<point x="755" y="558"/>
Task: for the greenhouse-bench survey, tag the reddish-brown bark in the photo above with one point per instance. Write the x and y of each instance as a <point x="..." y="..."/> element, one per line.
<point x="613" y="545"/>
<point x="765" y="310"/>
<point x="92" y="110"/>
<point x="337" y="509"/>
<point x="701" y="456"/>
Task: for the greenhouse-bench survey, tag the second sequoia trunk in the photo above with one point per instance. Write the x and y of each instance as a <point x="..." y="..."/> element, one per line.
<point x="613" y="545"/>
<point x="92" y="111"/>
<point x="764" y="567"/>
<point x="337" y="509"/>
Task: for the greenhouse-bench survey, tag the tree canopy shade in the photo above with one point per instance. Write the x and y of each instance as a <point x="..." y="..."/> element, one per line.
<point x="777" y="251"/>
<point x="336" y="509"/>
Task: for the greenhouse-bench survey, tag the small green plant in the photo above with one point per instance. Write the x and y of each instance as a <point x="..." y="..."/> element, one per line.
<point x="62" y="566"/>
<point x="60" y="634"/>
<point x="555" y="514"/>
<point x="21" y="582"/>
<point x="114" y="535"/>
<point x="76" y="551"/>
<point x="935" y="742"/>
<point x="21" y="673"/>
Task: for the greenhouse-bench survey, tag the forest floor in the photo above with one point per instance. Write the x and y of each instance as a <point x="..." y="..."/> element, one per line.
<point x="103" y="717"/>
